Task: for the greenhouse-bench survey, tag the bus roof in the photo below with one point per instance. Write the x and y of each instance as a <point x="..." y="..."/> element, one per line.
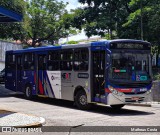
<point x="67" y="46"/>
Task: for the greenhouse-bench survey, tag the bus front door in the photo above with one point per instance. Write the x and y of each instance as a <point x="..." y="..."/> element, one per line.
<point x="19" y="73"/>
<point x="98" y="72"/>
<point x="40" y="73"/>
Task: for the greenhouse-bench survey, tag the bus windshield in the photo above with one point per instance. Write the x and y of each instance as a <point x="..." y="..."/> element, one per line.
<point x="130" y="67"/>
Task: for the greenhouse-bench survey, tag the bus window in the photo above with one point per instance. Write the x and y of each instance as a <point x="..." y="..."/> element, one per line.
<point x="53" y="60"/>
<point x="42" y="62"/>
<point x="66" y="60"/>
<point x="10" y="61"/>
<point x="81" y="59"/>
<point x="28" y="61"/>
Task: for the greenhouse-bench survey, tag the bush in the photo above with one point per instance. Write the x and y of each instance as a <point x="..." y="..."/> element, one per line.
<point x="72" y="42"/>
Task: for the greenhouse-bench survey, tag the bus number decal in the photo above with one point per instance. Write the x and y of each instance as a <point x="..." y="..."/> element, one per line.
<point x="83" y="75"/>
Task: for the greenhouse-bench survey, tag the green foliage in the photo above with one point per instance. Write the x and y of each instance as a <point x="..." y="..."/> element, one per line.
<point x="13" y="31"/>
<point x="122" y="19"/>
<point x="157" y="77"/>
<point x="42" y="20"/>
<point x="103" y="16"/>
<point x="14" y="5"/>
<point x="72" y="42"/>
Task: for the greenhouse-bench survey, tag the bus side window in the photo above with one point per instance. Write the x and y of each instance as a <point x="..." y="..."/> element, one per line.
<point x="81" y="57"/>
<point x="53" y="60"/>
<point x="28" y="60"/>
<point x="42" y="62"/>
<point x="67" y="59"/>
<point x="10" y="61"/>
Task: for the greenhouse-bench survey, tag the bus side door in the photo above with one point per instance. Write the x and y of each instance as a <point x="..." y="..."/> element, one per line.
<point x="10" y="72"/>
<point x="40" y="73"/>
<point x="18" y="72"/>
<point x="98" y="72"/>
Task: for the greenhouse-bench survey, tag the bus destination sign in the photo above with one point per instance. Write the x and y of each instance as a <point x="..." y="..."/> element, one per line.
<point x="136" y="46"/>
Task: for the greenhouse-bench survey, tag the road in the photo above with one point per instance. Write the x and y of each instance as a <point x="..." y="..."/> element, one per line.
<point x="63" y="113"/>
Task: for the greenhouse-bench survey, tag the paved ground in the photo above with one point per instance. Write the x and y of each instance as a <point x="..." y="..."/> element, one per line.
<point x="63" y="113"/>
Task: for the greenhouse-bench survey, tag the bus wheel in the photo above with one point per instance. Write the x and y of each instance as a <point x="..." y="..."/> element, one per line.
<point x="81" y="100"/>
<point x="28" y="92"/>
<point x="117" y="107"/>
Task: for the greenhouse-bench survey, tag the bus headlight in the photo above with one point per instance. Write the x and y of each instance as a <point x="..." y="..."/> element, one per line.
<point x="115" y="92"/>
<point x="120" y="94"/>
<point x="149" y="91"/>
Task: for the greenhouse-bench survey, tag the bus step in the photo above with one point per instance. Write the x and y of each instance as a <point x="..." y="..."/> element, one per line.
<point x="43" y="96"/>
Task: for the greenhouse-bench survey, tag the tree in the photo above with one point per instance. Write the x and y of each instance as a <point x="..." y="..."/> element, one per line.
<point x="103" y="16"/>
<point x="45" y="21"/>
<point x="14" y="5"/>
<point x="150" y="15"/>
<point x="142" y="18"/>
<point x="42" y="20"/>
<point x="12" y="30"/>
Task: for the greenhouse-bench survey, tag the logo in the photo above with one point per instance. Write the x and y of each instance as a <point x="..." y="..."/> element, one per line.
<point x="52" y="77"/>
<point x="6" y="129"/>
<point x="143" y="89"/>
<point x="66" y="76"/>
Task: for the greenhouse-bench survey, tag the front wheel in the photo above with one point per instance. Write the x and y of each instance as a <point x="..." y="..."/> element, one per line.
<point x="28" y="92"/>
<point x="117" y="107"/>
<point x="81" y="100"/>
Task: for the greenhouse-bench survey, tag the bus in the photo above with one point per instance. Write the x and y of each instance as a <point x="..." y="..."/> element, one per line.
<point x="112" y="72"/>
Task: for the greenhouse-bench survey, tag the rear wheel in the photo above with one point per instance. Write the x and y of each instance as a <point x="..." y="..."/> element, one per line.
<point x="28" y="92"/>
<point x="81" y="100"/>
<point x="117" y="107"/>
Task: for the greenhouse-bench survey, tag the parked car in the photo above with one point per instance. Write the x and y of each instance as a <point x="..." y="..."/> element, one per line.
<point x="2" y="76"/>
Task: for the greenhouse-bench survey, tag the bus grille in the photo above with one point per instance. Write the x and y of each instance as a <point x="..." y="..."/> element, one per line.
<point x="133" y="85"/>
<point x="132" y="93"/>
<point x="129" y="100"/>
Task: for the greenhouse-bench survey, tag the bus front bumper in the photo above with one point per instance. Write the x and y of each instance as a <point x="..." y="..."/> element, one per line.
<point x="127" y="99"/>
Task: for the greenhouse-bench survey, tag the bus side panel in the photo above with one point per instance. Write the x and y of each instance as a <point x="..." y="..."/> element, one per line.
<point x="52" y="84"/>
<point x="83" y="79"/>
<point x="10" y="80"/>
<point x="67" y="85"/>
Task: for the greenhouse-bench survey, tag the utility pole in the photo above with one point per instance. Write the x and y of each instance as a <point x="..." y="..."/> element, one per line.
<point x="141" y="21"/>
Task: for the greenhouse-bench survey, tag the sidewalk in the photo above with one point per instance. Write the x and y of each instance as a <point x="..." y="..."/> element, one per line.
<point x="15" y="119"/>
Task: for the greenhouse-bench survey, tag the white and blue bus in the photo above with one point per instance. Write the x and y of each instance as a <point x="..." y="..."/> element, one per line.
<point x="114" y="72"/>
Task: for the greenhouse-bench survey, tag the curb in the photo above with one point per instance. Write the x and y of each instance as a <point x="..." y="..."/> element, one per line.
<point x="38" y="124"/>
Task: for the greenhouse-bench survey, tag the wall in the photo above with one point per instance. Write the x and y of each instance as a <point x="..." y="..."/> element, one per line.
<point x="156" y="91"/>
<point x="5" y="46"/>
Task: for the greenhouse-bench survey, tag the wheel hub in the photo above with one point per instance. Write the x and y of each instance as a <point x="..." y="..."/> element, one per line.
<point x="83" y="100"/>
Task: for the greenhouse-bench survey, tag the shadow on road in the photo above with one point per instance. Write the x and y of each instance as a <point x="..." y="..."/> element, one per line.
<point x="106" y="110"/>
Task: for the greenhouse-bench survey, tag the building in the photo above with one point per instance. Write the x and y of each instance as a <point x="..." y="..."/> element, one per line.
<point x="5" y="46"/>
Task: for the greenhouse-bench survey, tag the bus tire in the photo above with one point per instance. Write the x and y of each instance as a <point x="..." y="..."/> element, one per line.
<point x="81" y="100"/>
<point x="28" y="92"/>
<point x="117" y="107"/>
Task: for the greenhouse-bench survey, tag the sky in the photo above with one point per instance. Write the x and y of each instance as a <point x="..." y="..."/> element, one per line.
<point x="73" y="4"/>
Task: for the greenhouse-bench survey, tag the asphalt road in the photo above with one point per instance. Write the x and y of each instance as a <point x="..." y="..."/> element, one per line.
<point x="63" y="113"/>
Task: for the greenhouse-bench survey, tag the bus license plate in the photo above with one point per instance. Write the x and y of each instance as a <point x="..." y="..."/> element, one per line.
<point x="135" y="98"/>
